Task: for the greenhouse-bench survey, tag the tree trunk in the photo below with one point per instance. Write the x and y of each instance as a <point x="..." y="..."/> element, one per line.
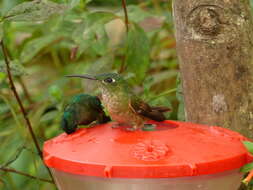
<point x="214" y="45"/>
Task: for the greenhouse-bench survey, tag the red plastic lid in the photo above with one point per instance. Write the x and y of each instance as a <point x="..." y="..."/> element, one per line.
<point x="175" y="149"/>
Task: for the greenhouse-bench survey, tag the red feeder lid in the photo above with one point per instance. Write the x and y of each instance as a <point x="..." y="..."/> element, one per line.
<point x="175" y="149"/>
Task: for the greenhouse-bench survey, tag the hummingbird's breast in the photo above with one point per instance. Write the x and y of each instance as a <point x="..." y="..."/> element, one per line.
<point x="117" y="104"/>
<point x="114" y="102"/>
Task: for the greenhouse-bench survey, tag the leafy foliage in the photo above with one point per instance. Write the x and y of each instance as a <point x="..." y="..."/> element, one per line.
<point x="16" y="68"/>
<point x="180" y="97"/>
<point x="91" y="32"/>
<point x="248" y="167"/>
<point x="33" y="47"/>
<point x="137" y="53"/>
<point x="47" y="40"/>
<point x="34" y="11"/>
<point x="249" y="146"/>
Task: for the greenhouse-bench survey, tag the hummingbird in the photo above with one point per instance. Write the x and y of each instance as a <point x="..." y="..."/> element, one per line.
<point x="123" y="106"/>
<point x="82" y="109"/>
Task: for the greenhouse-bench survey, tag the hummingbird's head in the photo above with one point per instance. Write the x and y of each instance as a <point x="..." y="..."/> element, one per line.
<point x="111" y="82"/>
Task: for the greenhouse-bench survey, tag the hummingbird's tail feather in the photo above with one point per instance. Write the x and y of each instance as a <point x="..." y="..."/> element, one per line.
<point x="141" y="108"/>
<point x="161" y="108"/>
<point x="156" y="115"/>
<point x="106" y="119"/>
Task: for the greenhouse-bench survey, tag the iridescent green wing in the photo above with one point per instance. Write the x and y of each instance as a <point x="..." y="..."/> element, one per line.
<point x="97" y="105"/>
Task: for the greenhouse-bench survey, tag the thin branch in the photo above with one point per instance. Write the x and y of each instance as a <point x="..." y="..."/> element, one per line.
<point x="156" y="5"/>
<point x="3" y="182"/>
<point x="16" y="155"/>
<point x="18" y="152"/>
<point x="13" y="88"/>
<point x="248" y="178"/>
<point x="73" y="53"/>
<point x="30" y="150"/>
<point x="164" y="93"/>
<point x="25" y="174"/>
<point x="123" y="62"/>
<point x="125" y="12"/>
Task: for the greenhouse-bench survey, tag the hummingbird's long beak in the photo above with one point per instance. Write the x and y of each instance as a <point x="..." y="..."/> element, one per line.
<point x="83" y="76"/>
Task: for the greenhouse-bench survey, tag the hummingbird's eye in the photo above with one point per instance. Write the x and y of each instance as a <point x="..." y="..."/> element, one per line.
<point x="109" y="80"/>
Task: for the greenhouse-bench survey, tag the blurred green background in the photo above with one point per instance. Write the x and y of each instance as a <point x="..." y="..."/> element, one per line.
<point x="74" y="37"/>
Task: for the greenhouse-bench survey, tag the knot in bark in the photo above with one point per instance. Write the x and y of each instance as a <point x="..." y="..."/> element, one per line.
<point x="205" y="20"/>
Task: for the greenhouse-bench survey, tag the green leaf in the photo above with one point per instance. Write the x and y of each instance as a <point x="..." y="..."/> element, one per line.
<point x="48" y="117"/>
<point x="101" y="41"/>
<point x="65" y="27"/>
<point x="6" y="5"/>
<point x="34" y="11"/>
<point x="181" y="112"/>
<point x="2" y="76"/>
<point x="163" y="75"/>
<point x="85" y="35"/>
<point x="34" y="46"/>
<point x="1" y="30"/>
<point x="55" y="92"/>
<point x="74" y="3"/>
<point x="179" y="95"/>
<point x="247" y="167"/>
<point x="135" y="13"/>
<point x="249" y="146"/>
<point x="137" y="52"/>
<point x="15" y="67"/>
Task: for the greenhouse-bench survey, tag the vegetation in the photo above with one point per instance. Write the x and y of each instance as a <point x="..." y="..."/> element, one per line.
<point x="248" y="168"/>
<point x="46" y="40"/>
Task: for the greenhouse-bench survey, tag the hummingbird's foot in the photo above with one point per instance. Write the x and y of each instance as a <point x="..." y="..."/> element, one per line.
<point x="115" y="126"/>
<point x="93" y="124"/>
<point x="131" y="129"/>
<point x="88" y="126"/>
<point x="134" y="128"/>
<point x="118" y="125"/>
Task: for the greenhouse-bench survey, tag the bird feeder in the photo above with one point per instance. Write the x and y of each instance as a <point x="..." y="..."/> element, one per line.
<point x="175" y="156"/>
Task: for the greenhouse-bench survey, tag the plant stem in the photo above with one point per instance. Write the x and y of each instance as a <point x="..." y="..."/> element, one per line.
<point x="123" y="64"/>
<point x="18" y="152"/>
<point x="125" y="12"/>
<point x="73" y="53"/>
<point x="164" y="93"/>
<point x="249" y="177"/>
<point x="25" y="174"/>
<point x="13" y="88"/>
<point x="157" y="6"/>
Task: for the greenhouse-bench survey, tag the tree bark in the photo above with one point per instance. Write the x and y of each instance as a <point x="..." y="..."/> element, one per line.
<point x="214" y="45"/>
